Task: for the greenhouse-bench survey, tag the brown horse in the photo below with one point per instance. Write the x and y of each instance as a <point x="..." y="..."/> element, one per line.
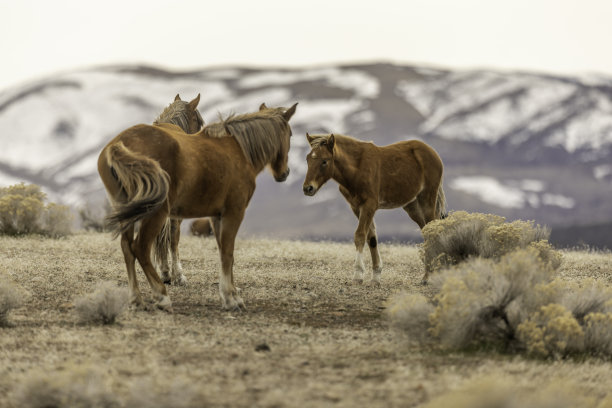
<point x="155" y="172"/>
<point x="186" y="116"/>
<point x="405" y="174"/>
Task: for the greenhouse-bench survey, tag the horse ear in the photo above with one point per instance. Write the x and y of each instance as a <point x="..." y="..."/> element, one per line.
<point x="194" y="103"/>
<point x="289" y="113"/>
<point x="310" y="138"/>
<point x="262" y="106"/>
<point x="331" y="140"/>
<point x="177" y="98"/>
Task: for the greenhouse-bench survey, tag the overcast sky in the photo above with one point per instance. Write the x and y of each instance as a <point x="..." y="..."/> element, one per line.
<point x="40" y="38"/>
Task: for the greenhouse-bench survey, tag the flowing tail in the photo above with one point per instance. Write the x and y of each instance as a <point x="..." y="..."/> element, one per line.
<point x="441" y="203"/>
<point x="144" y="187"/>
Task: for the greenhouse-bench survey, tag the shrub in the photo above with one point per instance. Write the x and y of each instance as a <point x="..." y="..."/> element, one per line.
<point x="11" y="297"/>
<point x="23" y="211"/>
<point x="102" y="306"/>
<point x="512" y="303"/>
<point x="463" y="235"/>
<point x="78" y="387"/>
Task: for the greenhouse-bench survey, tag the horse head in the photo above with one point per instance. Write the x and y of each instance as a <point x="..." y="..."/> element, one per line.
<point x="190" y="119"/>
<point x="280" y="165"/>
<point x="320" y="162"/>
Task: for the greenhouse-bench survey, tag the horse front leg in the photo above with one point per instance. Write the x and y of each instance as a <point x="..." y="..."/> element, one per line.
<point x="177" y="269"/>
<point x="230" y="299"/>
<point x="366" y="216"/>
<point x="376" y="261"/>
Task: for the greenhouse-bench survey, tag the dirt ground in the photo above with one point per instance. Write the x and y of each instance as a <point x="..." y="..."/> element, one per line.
<point x="310" y="337"/>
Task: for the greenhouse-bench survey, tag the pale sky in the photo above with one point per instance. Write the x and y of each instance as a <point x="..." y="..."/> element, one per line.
<point x="41" y="38"/>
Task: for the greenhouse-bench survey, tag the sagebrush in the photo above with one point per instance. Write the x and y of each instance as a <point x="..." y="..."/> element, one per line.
<point x="464" y="235"/>
<point x="103" y="306"/>
<point x="23" y="211"/>
<point x="514" y="303"/>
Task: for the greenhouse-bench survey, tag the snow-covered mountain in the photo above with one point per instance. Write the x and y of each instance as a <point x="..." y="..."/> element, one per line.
<point x="516" y="144"/>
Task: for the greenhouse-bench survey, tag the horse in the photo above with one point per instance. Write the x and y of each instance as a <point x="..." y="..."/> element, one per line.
<point x="154" y="172"/>
<point x="406" y="174"/>
<point x="186" y="116"/>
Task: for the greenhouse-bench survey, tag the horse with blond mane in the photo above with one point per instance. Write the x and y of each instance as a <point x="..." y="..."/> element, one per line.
<point x="155" y="172"/>
<point x="406" y="174"/>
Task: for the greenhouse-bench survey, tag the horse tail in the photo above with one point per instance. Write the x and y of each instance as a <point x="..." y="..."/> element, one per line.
<point x="162" y="243"/>
<point x="441" y="203"/>
<point x="144" y="187"/>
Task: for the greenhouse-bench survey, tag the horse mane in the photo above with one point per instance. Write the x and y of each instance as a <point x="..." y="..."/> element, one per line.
<point x="176" y="114"/>
<point x="318" y="140"/>
<point x="259" y="134"/>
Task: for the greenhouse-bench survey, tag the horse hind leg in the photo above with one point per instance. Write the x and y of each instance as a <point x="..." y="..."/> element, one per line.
<point x="149" y="230"/>
<point x="414" y="211"/>
<point x="127" y="240"/>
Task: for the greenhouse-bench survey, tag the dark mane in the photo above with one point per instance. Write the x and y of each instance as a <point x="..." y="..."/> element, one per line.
<point x="259" y="134"/>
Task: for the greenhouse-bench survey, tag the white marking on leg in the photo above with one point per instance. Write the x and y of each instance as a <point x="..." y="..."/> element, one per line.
<point x="177" y="272"/>
<point x="359" y="267"/>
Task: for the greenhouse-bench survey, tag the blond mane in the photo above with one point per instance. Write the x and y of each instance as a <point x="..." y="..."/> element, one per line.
<point x="177" y="114"/>
<point x="261" y="135"/>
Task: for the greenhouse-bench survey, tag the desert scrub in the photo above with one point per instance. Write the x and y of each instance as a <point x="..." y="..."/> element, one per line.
<point x="464" y="235"/>
<point x="11" y="297"/>
<point x="103" y="306"/>
<point x="23" y="211"/>
<point x="515" y="304"/>
<point x="73" y="386"/>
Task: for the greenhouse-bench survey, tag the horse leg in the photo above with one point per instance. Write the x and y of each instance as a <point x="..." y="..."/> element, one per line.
<point x="414" y="211"/>
<point x="149" y="229"/>
<point x="161" y="253"/>
<point x="427" y="202"/>
<point x="228" y="292"/>
<point x="372" y="240"/>
<point x="376" y="261"/>
<point x="215" y="223"/>
<point x="127" y="239"/>
<point x="177" y="269"/>
<point x="366" y="217"/>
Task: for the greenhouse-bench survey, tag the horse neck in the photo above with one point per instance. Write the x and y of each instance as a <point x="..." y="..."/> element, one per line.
<point x="347" y="156"/>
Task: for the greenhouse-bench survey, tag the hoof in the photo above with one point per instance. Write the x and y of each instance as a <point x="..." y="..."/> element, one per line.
<point x="235" y="304"/>
<point x="180" y="281"/>
<point x="375" y="283"/>
<point x="165" y="304"/>
<point x="424" y="282"/>
<point x="357" y="281"/>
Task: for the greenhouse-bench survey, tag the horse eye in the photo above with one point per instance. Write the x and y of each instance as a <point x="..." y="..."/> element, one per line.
<point x="324" y="163"/>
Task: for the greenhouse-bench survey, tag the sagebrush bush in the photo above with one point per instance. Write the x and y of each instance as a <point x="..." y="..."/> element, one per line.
<point x="464" y="235"/>
<point x="11" y="297"/>
<point x="23" y="211"/>
<point x="103" y="306"/>
<point x="72" y="387"/>
<point x="514" y="303"/>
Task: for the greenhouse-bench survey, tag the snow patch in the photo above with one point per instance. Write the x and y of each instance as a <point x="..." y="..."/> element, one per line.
<point x="512" y="193"/>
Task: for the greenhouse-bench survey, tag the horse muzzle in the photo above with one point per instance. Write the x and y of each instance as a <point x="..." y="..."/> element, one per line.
<point x="283" y="176"/>
<point x="309" y="189"/>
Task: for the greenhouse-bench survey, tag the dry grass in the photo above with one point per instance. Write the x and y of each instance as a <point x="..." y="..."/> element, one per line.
<point x="328" y="342"/>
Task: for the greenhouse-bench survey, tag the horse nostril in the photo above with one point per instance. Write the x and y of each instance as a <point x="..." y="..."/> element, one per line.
<point x="308" y="190"/>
